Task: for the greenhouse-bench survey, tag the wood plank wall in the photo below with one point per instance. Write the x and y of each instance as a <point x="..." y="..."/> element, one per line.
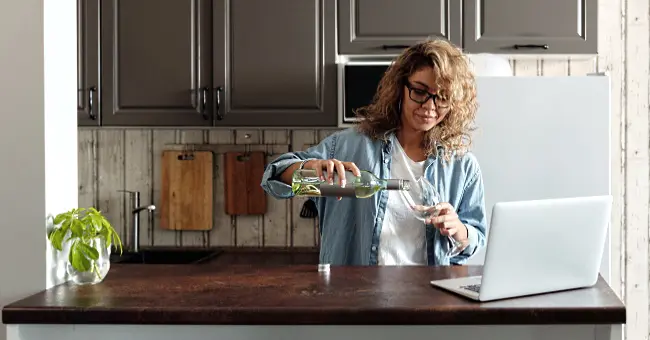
<point x="114" y="159"/>
<point x="129" y="159"/>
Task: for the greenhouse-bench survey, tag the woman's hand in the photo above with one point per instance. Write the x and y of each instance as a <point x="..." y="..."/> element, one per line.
<point x="446" y="220"/>
<point x="331" y="165"/>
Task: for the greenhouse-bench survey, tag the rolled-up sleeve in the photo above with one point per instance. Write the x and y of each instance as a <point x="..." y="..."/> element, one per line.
<point x="271" y="182"/>
<point x="471" y="213"/>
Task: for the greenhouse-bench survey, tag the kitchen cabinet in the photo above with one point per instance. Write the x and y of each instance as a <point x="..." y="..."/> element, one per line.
<point x="385" y="27"/>
<point x="275" y="62"/>
<point x="87" y="62"/>
<point x="205" y="63"/>
<point x="372" y="27"/>
<point x="530" y="26"/>
<point x="156" y="62"/>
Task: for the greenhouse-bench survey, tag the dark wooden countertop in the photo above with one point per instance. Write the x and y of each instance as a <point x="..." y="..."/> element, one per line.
<point x="222" y="293"/>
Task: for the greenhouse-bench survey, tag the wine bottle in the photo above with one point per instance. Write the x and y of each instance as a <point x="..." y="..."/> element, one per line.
<point x="305" y="182"/>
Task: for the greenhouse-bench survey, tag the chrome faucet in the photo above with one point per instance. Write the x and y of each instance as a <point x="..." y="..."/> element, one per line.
<point x="133" y="231"/>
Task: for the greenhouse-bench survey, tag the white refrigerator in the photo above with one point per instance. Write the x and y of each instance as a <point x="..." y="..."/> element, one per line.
<point x="544" y="137"/>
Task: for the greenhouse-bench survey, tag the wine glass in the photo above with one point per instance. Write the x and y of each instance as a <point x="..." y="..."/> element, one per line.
<point x="422" y="199"/>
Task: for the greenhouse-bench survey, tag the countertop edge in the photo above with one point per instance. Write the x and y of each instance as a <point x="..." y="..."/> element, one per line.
<point x="310" y="316"/>
<point x="67" y="304"/>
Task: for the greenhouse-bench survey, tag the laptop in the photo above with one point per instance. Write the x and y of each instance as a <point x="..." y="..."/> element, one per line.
<point x="539" y="246"/>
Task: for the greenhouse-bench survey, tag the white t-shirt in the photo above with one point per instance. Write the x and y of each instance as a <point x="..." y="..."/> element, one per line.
<point x="402" y="240"/>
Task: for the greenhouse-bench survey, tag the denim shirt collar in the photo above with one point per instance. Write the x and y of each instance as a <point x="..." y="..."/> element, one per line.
<point x="390" y="137"/>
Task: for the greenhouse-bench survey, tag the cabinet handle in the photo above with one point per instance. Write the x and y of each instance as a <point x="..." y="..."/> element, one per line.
<point x="217" y="99"/>
<point x="543" y="46"/>
<point x="204" y="103"/>
<point x="91" y="114"/>
<point x="390" y="47"/>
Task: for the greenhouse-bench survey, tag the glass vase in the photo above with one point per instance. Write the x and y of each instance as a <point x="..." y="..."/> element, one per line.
<point x="98" y="268"/>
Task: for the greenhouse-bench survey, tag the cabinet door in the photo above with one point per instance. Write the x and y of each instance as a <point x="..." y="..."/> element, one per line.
<point x="371" y="27"/>
<point x="275" y="63"/>
<point x="531" y="26"/>
<point x="87" y="62"/>
<point x="156" y="62"/>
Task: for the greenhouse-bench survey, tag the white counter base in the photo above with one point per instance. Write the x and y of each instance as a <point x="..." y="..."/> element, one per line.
<point x="229" y="332"/>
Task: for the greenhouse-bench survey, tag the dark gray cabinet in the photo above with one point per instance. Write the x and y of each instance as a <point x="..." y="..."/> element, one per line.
<point x="156" y="62"/>
<point x="371" y="27"/>
<point x="275" y="62"/>
<point x="87" y="62"/>
<point x="530" y="26"/>
<point x="218" y="62"/>
<point x="249" y="63"/>
<point x="385" y="27"/>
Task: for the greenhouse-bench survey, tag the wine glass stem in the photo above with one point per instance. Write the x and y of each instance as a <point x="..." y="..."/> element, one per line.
<point x="455" y="246"/>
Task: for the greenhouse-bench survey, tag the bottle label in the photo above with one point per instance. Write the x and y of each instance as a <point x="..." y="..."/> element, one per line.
<point x="336" y="190"/>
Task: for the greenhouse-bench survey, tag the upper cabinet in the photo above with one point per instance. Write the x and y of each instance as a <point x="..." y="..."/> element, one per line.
<point x="275" y="62"/>
<point x="371" y="27"/>
<point x="87" y="62"/>
<point x="530" y="26"/>
<point x="156" y="62"/>
<point x="242" y="63"/>
<point x="210" y="63"/>
<point x="385" y="27"/>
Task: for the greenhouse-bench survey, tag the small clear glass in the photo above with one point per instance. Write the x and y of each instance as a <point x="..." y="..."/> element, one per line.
<point x="422" y="200"/>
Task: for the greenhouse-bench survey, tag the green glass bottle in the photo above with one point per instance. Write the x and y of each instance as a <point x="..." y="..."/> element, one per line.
<point x="305" y="182"/>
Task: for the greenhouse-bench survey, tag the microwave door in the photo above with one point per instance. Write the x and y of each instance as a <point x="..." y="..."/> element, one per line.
<point x="359" y="82"/>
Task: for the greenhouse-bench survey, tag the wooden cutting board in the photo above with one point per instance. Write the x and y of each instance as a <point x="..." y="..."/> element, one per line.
<point x="186" y="191"/>
<point x="243" y="174"/>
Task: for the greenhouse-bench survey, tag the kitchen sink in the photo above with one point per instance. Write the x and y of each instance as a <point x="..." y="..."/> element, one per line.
<point x="166" y="256"/>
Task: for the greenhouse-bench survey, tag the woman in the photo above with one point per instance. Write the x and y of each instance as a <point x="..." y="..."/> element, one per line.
<point x="417" y="125"/>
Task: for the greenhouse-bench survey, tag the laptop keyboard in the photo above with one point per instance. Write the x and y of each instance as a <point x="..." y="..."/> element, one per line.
<point x="474" y="288"/>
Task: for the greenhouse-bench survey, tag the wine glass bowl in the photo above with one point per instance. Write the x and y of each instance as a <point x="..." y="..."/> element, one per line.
<point x="422" y="200"/>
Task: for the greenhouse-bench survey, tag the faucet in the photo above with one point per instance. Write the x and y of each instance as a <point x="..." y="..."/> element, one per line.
<point x="133" y="231"/>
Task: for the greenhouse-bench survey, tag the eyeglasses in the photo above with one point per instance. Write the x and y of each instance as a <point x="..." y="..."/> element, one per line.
<point x="421" y="96"/>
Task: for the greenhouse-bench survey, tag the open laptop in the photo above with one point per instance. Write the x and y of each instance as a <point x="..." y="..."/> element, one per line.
<point x="539" y="246"/>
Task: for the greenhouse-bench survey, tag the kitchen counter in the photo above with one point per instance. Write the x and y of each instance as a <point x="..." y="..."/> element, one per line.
<point x="277" y="295"/>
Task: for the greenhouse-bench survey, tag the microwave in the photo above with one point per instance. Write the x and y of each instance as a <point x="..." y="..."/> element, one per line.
<point x="358" y="81"/>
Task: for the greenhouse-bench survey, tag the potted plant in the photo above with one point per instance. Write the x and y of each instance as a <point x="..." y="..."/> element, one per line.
<point x="88" y="236"/>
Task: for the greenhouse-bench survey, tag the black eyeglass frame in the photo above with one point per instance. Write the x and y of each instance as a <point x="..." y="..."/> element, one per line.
<point x="430" y="95"/>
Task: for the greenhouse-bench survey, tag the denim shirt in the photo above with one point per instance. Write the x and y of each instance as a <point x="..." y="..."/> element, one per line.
<point x="350" y="228"/>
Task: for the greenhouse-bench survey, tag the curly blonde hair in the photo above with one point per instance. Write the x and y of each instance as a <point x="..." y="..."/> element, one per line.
<point x="455" y="81"/>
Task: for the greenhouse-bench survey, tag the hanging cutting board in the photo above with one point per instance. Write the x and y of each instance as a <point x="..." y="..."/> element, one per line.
<point x="243" y="174"/>
<point x="186" y="191"/>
